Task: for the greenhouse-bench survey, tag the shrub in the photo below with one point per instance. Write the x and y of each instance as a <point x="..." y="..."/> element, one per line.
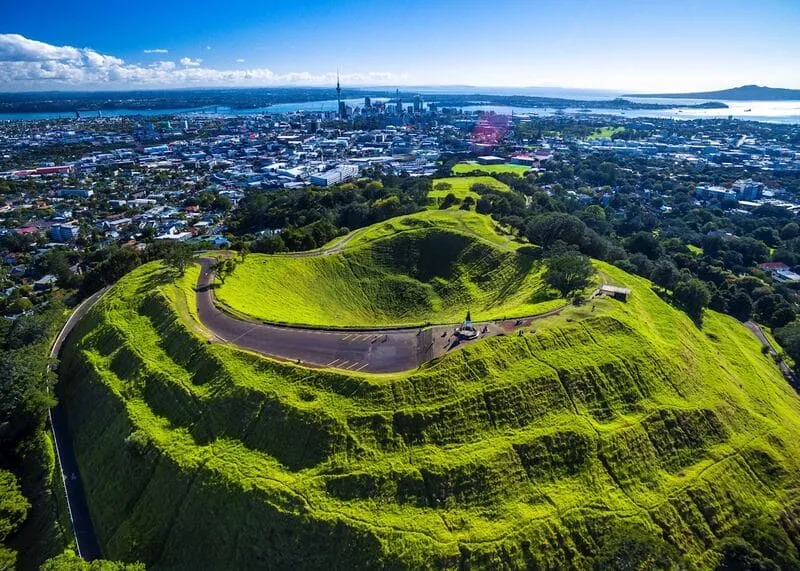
<point x="137" y="442"/>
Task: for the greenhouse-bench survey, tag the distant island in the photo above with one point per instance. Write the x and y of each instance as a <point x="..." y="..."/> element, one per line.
<point x="743" y="93"/>
<point x="456" y="100"/>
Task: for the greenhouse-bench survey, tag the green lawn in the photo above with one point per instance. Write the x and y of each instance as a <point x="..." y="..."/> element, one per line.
<point x="516" y="451"/>
<point x="605" y="133"/>
<point x="427" y="267"/>
<point x="468" y="167"/>
<point x="461" y="186"/>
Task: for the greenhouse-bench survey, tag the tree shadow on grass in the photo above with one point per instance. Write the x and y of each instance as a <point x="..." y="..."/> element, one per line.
<point x="666" y="297"/>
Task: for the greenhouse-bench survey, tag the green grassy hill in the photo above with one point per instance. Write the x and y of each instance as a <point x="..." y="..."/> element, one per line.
<point x="461" y="187"/>
<point x="431" y="266"/>
<point x="517" y="451"/>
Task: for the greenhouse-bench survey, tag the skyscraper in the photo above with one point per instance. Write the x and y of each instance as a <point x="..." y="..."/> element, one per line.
<point x="341" y="106"/>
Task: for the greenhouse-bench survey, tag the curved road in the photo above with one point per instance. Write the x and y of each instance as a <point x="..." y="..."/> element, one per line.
<point x="368" y="350"/>
<point x="86" y="544"/>
<point x="785" y="369"/>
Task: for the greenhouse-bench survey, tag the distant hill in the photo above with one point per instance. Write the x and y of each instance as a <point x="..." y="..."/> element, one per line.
<point x="743" y="93"/>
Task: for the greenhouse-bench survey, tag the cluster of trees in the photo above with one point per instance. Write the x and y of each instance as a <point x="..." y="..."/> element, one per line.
<point x="30" y="531"/>
<point x="25" y="396"/>
<point x="107" y="265"/>
<point x="705" y="255"/>
<point x="308" y="218"/>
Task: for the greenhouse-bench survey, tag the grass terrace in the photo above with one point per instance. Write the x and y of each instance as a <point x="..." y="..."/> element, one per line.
<point x="516" y="451"/>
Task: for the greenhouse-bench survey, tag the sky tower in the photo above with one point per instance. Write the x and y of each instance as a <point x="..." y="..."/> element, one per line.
<point x="340" y="105"/>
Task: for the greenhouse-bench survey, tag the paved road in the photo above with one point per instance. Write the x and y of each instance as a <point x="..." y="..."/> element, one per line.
<point x="337" y="247"/>
<point x="785" y="369"/>
<point x="368" y="350"/>
<point x="86" y="543"/>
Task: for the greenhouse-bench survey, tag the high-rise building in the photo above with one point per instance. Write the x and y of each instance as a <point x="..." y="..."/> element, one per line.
<point x="341" y="108"/>
<point x="418" y="104"/>
<point x="367" y="103"/>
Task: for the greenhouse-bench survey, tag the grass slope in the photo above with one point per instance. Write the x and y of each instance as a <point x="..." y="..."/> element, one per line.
<point x="461" y="187"/>
<point x="467" y="167"/>
<point x="518" y="451"/>
<point x="421" y="268"/>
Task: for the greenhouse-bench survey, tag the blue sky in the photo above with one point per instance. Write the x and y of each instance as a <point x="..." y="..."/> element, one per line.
<point x="651" y="45"/>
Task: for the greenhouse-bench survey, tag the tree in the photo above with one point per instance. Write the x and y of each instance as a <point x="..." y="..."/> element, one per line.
<point x="178" y="256"/>
<point x="222" y="202"/>
<point x="740" y="305"/>
<point x="693" y="296"/>
<point x="789" y="338"/>
<point x="224" y="268"/>
<point x="790" y="230"/>
<point x="766" y="305"/>
<point x="449" y="201"/>
<point x="645" y="243"/>
<point x="630" y="547"/>
<point x="739" y="554"/>
<point x="782" y="316"/>
<point x="20" y="305"/>
<point x="546" y="229"/>
<point x="767" y="235"/>
<point x="664" y="274"/>
<point x="569" y="273"/>
<point x="752" y="251"/>
<point x="269" y="244"/>
<point x="13" y="511"/>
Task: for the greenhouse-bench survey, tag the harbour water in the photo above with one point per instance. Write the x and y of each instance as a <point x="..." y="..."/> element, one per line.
<point x="767" y="111"/>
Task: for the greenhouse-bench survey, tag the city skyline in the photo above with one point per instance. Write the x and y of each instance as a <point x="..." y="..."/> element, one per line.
<point x="578" y="44"/>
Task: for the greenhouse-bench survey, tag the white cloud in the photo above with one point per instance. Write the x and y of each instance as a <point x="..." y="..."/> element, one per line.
<point x="240" y="60"/>
<point x="17" y="48"/>
<point x="30" y="64"/>
<point x="156" y="51"/>
<point x="189" y="62"/>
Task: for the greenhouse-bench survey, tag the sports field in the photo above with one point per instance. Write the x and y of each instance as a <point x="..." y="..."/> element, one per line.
<point x="468" y="167"/>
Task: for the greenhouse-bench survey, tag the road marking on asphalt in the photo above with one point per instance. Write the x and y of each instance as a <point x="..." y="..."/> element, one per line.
<point x="235" y="339"/>
<point x="346" y="337"/>
<point x="342" y="365"/>
<point x="361" y="367"/>
<point x="351" y="367"/>
<point x="332" y="362"/>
